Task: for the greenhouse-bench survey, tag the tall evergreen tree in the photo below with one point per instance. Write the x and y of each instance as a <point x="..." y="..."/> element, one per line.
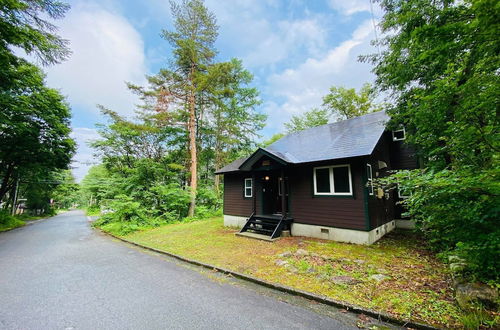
<point x="193" y="38"/>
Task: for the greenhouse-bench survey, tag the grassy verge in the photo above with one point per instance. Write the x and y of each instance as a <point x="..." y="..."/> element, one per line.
<point x="8" y="222"/>
<point x="397" y="275"/>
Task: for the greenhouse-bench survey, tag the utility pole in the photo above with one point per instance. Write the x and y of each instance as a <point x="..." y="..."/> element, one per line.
<point x="14" y="201"/>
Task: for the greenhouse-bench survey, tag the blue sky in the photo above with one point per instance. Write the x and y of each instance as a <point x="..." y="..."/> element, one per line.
<point x="296" y="50"/>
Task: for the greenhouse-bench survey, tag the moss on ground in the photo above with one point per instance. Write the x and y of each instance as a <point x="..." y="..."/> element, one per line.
<point x="417" y="286"/>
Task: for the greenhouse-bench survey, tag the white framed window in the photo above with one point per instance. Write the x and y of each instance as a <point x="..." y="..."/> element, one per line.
<point x="333" y="180"/>
<point x="399" y="134"/>
<point x="369" y="176"/>
<point x="248" y="187"/>
<point x="403" y="193"/>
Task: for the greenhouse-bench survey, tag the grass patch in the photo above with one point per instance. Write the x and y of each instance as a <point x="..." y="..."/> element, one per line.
<point x="417" y="286"/>
<point x="8" y="222"/>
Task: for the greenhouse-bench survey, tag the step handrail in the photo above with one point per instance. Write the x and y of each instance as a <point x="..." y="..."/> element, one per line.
<point x="247" y="224"/>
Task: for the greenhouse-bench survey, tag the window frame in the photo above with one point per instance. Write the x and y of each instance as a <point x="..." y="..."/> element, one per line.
<point x="402" y="196"/>
<point x="394" y="138"/>
<point x="332" y="181"/>
<point x="245" y="187"/>
<point x="369" y="180"/>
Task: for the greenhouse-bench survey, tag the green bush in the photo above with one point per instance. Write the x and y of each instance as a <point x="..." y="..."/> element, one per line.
<point x="9" y="222"/>
<point x="208" y="198"/>
<point x="458" y="213"/>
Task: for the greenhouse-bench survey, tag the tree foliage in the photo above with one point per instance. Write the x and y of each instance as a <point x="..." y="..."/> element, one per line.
<point x="440" y="66"/>
<point x="311" y="118"/>
<point x="34" y="128"/>
<point x="34" y="119"/>
<point x="344" y="103"/>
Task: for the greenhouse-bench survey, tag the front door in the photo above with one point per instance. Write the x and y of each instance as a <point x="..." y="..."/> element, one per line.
<point x="271" y="193"/>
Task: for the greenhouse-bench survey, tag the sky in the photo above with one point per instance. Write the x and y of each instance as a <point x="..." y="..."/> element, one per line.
<point x="296" y="50"/>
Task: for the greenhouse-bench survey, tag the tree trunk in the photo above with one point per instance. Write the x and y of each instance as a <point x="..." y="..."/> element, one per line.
<point x="6" y="181"/>
<point x="192" y="149"/>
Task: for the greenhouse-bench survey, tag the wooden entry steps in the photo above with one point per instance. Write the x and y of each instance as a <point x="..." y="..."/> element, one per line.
<point x="267" y="227"/>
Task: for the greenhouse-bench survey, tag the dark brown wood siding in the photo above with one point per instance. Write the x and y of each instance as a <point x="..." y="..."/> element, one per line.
<point x="403" y="156"/>
<point x="397" y="156"/>
<point x="234" y="201"/>
<point x="334" y="211"/>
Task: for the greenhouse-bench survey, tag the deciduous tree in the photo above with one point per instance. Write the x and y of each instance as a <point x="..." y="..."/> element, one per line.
<point x="345" y="103"/>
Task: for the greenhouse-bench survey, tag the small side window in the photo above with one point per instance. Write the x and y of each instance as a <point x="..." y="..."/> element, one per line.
<point x="248" y="187"/>
<point x="402" y="193"/>
<point x="369" y="175"/>
<point x="399" y="135"/>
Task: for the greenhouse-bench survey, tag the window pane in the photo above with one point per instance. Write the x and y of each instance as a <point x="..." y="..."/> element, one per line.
<point x="341" y="179"/>
<point x="323" y="180"/>
<point x="248" y="183"/>
<point x="248" y="192"/>
<point x="369" y="172"/>
<point x="398" y="135"/>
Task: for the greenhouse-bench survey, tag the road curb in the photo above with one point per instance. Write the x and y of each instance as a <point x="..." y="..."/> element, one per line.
<point x="321" y="299"/>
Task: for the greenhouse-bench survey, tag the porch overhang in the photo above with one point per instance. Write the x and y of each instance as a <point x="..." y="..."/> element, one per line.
<point x="249" y="163"/>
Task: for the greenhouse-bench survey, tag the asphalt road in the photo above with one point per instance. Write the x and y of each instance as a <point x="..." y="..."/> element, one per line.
<point x="61" y="274"/>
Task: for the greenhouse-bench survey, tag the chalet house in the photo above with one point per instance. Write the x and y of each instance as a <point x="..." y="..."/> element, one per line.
<point x="316" y="183"/>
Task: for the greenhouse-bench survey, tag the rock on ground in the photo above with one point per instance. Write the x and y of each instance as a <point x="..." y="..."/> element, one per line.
<point x="469" y="294"/>
<point x="379" y="277"/>
<point x="344" y="280"/>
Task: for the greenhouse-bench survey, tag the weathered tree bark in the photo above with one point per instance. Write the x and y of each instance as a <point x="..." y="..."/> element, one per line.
<point x="192" y="147"/>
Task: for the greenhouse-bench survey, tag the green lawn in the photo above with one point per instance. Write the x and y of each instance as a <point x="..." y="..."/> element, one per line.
<point x="417" y="286"/>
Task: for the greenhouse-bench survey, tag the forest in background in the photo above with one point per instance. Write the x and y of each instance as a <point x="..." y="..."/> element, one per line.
<point x="438" y="66"/>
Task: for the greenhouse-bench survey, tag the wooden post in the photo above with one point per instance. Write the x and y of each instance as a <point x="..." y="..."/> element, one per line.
<point x="14" y="200"/>
<point x="283" y="194"/>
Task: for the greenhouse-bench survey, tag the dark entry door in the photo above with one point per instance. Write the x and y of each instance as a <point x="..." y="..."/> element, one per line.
<point x="269" y="193"/>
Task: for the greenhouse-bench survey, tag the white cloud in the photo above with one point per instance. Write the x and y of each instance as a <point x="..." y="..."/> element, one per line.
<point x="107" y="51"/>
<point x="83" y="159"/>
<point x="273" y="45"/>
<point x="251" y="30"/>
<point x="303" y="87"/>
<point x="349" y="7"/>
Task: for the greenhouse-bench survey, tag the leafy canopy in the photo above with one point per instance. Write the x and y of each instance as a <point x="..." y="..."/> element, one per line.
<point x="440" y="67"/>
<point x="345" y="103"/>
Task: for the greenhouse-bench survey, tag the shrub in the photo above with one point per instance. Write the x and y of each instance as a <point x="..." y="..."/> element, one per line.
<point x="458" y="213"/>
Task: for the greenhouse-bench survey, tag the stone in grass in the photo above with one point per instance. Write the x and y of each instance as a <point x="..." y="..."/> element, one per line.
<point x="343" y="279"/>
<point x="311" y="270"/>
<point x="291" y="268"/>
<point x="325" y="257"/>
<point x="286" y="254"/>
<point x="301" y="253"/>
<point x="359" y="261"/>
<point x="379" y="277"/>
<point x="280" y="262"/>
<point x="469" y="295"/>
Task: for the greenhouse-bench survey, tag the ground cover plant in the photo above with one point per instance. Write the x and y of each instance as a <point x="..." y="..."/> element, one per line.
<point x="8" y="222"/>
<point x="397" y="275"/>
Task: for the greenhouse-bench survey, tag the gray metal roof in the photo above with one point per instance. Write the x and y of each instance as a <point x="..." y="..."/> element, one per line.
<point x="348" y="138"/>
